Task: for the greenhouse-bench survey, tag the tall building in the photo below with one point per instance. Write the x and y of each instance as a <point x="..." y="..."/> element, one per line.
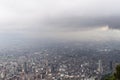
<point x="100" y="68"/>
<point x="111" y="65"/>
<point x="25" y="67"/>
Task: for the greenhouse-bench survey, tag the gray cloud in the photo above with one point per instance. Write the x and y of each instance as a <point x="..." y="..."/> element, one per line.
<point x="50" y="17"/>
<point x="73" y="22"/>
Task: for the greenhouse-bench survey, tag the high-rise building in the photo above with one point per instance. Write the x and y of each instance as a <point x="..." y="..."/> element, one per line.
<point x="100" y="68"/>
<point x="111" y="65"/>
<point x="25" y="67"/>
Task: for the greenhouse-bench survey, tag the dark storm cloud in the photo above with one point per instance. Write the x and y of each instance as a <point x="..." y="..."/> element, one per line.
<point x="42" y="18"/>
<point x="85" y="22"/>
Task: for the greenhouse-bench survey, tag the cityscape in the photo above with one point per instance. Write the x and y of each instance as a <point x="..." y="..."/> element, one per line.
<point x="63" y="62"/>
<point x="59" y="39"/>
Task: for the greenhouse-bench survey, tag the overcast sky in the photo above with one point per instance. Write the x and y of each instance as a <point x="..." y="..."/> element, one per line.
<point x="62" y="19"/>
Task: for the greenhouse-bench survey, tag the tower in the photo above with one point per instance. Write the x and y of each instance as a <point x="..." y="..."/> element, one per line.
<point x="25" y="67"/>
<point x="100" y="68"/>
<point x="111" y="65"/>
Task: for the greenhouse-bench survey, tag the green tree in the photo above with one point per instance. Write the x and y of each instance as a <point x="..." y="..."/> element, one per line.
<point x="117" y="73"/>
<point x="111" y="77"/>
<point x="115" y="76"/>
